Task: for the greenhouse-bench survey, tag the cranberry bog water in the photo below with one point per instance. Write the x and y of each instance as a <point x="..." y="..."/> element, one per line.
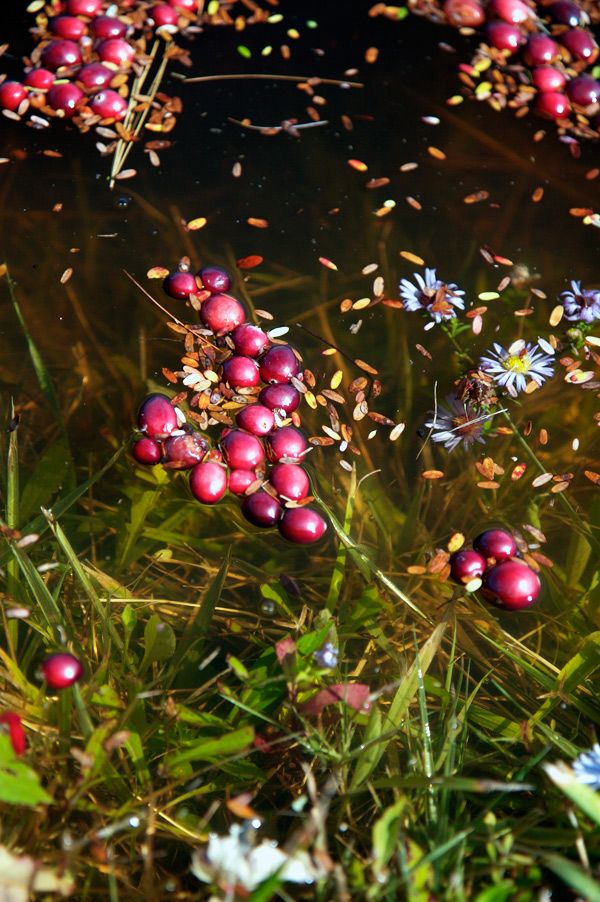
<point x="300" y="524"/>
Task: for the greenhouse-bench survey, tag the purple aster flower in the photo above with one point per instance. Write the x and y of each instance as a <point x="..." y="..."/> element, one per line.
<point x="587" y="767"/>
<point x="432" y="295"/>
<point x="327" y="656"/>
<point x="511" y="368"/>
<point x="581" y="304"/>
<point x="455" y="422"/>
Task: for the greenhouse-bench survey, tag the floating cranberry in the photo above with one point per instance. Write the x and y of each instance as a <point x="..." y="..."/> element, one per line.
<point x="185" y="451"/>
<point x="249" y="340"/>
<point x="540" y="49"/>
<point x="466" y="565"/>
<point x="279" y="364"/>
<point x="584" y="90"/>
<point x="163" y="14"/>
<point x="580" y="44"/>
<point x="302" y="525"/>
<point x="208" y="482"/>
<point x="180" y="285"/>
<point x="512" y="11"/>
<point x="552" y="105"/>
<point x="116" y="51"/>
<point x="240" y="480"/>
<point x="287" y="444"/>
<point x="242" y="450"/>
<point x="61" y="53"/>
<point x="40" y="79"/>
<point x="12" y="95"/>
<point x="214" y="278"/>
<point x="147" y="451"/>
<point x="261" y="509"/>
<point x="496" y="543"/>
<point x="503" y="36"/>
<point x="108" y="105"/>
<point x="464" y="13"/>
<point x="289" y="481"/>
<point x="547" y="78"/>
<point x="104" y="27"/>
<point x="61" y="669"/>
<point x="69" y="27"/>
<point x="95" y="76"/>
<point x="189" y="5"/>
<point x="256" y="418"/>
<point x="280" y="397"/>
<point x="156" y="416"/>
<point x="84" y="7"/>
<point x="16" y="733"/>
<point x="513" y="583"/>
<point x="241" y="372"/>
<point x="222" y="313"/>
<point x="564" y="12"/>
<point x="65" y="98"/>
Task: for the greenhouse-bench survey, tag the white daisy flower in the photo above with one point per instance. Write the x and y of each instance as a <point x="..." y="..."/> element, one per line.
<point x="587" y="767"/>
<point x="439" y="299"/>
<point x="513" y="367"/>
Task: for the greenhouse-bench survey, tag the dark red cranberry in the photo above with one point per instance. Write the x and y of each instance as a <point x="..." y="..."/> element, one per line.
<point x="185" y="451"/>
<point x="279" y="364"/>
<point x="249" y="340"/>
<point x="513" y="584"/>
<point x="302" y="525"/>
<point x="240" y="480"/>
<point x="69" y="27"/>
<point x="190" y="5"/>
<point x="180" y="285"/>
<point x="580" y="44"/>
<point x="466" y="565"/>
<point x="464" y="13"/>
<point x="287" y="444"/>
<point x="147" y="451"/>
<point x="104" y="27"/>
<point x="552" y="105"/>
<point x="61" y="669"/>
<point x="95" y="76"/>
<point x="12" y="95"/>
<point x="255" y="418"/>
<point x="512" y="11"/>
<point x="108" y="104"/>
<point x="540" y="49"/>
<point x="496" y="543"/>
<point x="163" y="14"/>
<point x="242" y="451"/>
<point x="215" y="279"/>
<point x="65" y="98"/>
<point x="208" y="482"/>
<point x="289" y="481"/>
<point x="156" y="416"/>
<point x="12" y="722"/>
<point x="503" y="36"/>
<point x="222" y="313"/>
<point x="116" y="51"/>
<point x="261" y="509"/>
<point x="280" y="397"/>
<point x="84" y="7"/>
<point x="61" y="53"/>
<point x="564" y="12"/>
<point x="40" y="79"/>
<point x="584" y="90"/>
<point x="547" y="78"/>
<point x="241" y="372"/>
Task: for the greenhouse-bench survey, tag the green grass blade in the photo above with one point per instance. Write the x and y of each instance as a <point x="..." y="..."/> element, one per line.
<point x="574" y="877"/>
<point x="582" y="796"/>
<point x="337" y="577"/>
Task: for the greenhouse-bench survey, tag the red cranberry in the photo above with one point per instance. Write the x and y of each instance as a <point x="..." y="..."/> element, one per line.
<point x="116" y="51"/>
<point x="289" y="481"/>
<point x="16" y="733"/>
<point x="40" y="79"/>
<point x="156" y="416"/>
<point x="552" y="105"/>
<point x="584" y="90"/>
<point x="69" y="27"/>
<point x="65" y="98"/>
<point x="280" y="397"/>
<point x="104" y="27"/>
<point x="147" y="451"/>
<point x="242" y="451"/>
<point x="240" y="480"/>
<point x="255" y="418"/>
<point x="512" y="11"/>
<point x="503" y="36"/>
<point x="261" y="509"/>
<point x="564" y="12"/>
<point x="190" y="5"/>
<point x="580" y="44"/>
<point x="84" y="7"/>
<point x="61" y="670"/>
<point x="302" y="525"/>
<point x="163" y="14"/>
<point x="513" y="583"/>
<point x="249" y="340"/>
<point x="94" y="76"/>
<point x="287" y="444"/>
<point x="279" y="364"/>
<point x="215" y="279"/>
<point x="540" y="49"/>
<point x="547" y="78"/>
<point x="208" y="482"/>
<point x="464" y="13"/>
<point x="12" y="95"/>
<point x="241" y="372"/>
<point x="466" y="565"/>
<point x="185" y="451"/>
<point x="179" y="285"/>
<point x="61" y="53"/>
<point x="108" y="105"/>
<point x="496" y="543"/>
<point x="222" y="313"/>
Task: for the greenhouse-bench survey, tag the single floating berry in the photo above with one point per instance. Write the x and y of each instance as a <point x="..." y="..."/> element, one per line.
<point x="65" y="98"/>
<point x="16" y="733"/>
<point x="163" y="14"/>
<point x="104" y="27"/>
<point x="552" y="105"/>
<point x="241" y="372"/>
<point x="242" y="450"/>
<point x="256" y="418"/>
<point x="302" y="525"/>
<point x="12" y="95"/>
<point x="147" y="451"/>
<point x="261" y="509"/>
<point x="279" y="364"/>
<point x="249" y="340"/>
<point x="495" y="543"/>
<point x="503" y="36"/>
<point x="213" y="278"/>
<point x="61" y="53"/>
<point x="156" y="416"/>
<point x="69" y="27"/>
<point x="464" y="13"/>
<point x="280" y="397"/>
<point x="290" y="481"/>
<point x="94" y="76"/>
<point x="547" y="78"/>
<point x="108" y="105"/>
<point x="539" y="50"/>
<point x="287" y="442"/>
<point x="208" y="482"/>
<point x="116" y="51"/>
<point x="466" y="565"/>
<point x="240" y="480"/>
<point x="513" y="584"/>
<point x="40" y="79"/>
<point x="222" y="313"/>
<point x="185" y="451"/>
<point x="61" y="670"/>
<point x="84" y="7"/>
<point x="515" y="12"/>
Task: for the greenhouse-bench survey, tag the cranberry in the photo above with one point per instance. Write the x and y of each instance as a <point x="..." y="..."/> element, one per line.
<point x="302" y="525"/>
<point x="185" y="451"/>
<point x="580" y="44"/>
<point x="61" y="669"/>
<point x="256" y="418"/>
<point x="222" y="313"/>
<point x="116" y="51"/>
<point x="466" y="564"/>
<point x="108" y="105"/>
<point x="84" y="7"/>
<point x="261" y="509"/>
<point x="547" y="78"/>
<point x="240" y="480"/>
<point x="94" y="76"/>
<point x="540" y="49"/>
<point x="156" y="416"/>
<point x="163" y="14"/>
<point x="40" y="79"/>
<point x="147" y="451"/>
<point x="584" y="90"/>
<point x="280" y="397"/>
<point x="104" y="27"/>
<point x="564" y="12"/>
<point x="289" y="481"/>
<point x="512" y="11"/>
<point x="249" y="340"/>
<point x="552" y="105"/>
<point x="16" y="733"/>
<point x="279" y="364"/>
<point x="496" y="543"/>
<point x="208" y="482"/>
<point x="241" y="372"/>
<point x="461" y="13"/>
<point x="213" y="278"/>
<point x="180" y="285"/>
<point x="242" y="451"/>
<point x="190" y="5"/>
<point x="60" y="53"/>
<point x="513" y="583"/>
<point x="503" y="36"/>
<point x="12" y="95"/>
<point x="287" y="444"/>
<point x="65" y="98"/>
<point x="69" y="27"/>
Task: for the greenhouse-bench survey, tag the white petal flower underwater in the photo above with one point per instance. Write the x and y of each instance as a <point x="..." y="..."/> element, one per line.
<point x="455" y="422"/>
<point x="513" y="367"/>
<point x="581" y="304"/>
<point x="587" y="767"/>
<point x="432" y="295"/>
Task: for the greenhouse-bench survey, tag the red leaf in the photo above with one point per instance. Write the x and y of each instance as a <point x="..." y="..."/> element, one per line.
<point x="355" y="695"/>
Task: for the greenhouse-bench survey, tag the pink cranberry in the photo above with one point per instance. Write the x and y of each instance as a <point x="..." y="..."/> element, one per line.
<point x="163" y="14"/>
<point x="84" y="7"/>
<point x="61" y="670"/>
<point x="302" y="525"/>
<point x="255" y="418"/>
<point x="289" y="481"/>
<point x="65" y="98"/>
<point x="222" y="313"/>
<point x="240" y="480"/>
<point x="116" y="51"/>
<point x="179" y="285"/>
<point x="241" y="372"/>
<point x="287" y="444"/>
<point x="280" y="397"/>
<point x="208" y="482"/>
<point x="242" y="450"/>
<point x="261" y="509"/>
<point x="552" y="105"/>
<point x="108" y="104"/>
<point x="12" y="722"/>
<point x="513" y="584"/>
<point x="147" y="451"/>
<point x="584" y="90"/>
<point x="189" y="5"/>
<point x="279" y="364"/>
<point x="564" y="12"/>
<point x="12" y="95"/>
<point x="496" y="543"/>
<point x="185" y="451"/>
<point x="249" y="340"/>
<point x="580" y="44"/>
<point x="466" y="565"/>
<point x="61" y="53"/>
<point x="95" y="76"/>
<point x="540" y="49"/>
<point x="156" y="416"/>
<point x="213" y="278"/>
<point x="464" y="13"/>
<point x="69" y="27"/>
<point x="515" y="12"/>
<point x="547" y="78"/>
<point x="40" y="79"/>
<point x="104" y="27"/>
<point x="503" y="36"/>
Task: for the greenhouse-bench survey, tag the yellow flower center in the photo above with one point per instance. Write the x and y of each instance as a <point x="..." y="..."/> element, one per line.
<point x="517" y="364"/>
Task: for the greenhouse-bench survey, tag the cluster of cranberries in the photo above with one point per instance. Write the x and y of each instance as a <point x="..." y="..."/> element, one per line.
<point x="506" y="579"/>
<point x="259" y="456"/>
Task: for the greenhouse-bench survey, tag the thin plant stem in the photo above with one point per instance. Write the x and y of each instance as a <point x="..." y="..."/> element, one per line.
<point x="313" y="79"/>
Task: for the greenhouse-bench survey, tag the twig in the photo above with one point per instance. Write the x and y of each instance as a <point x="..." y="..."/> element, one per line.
<point x="289" y="126"/>
<point x="312" y="79"/>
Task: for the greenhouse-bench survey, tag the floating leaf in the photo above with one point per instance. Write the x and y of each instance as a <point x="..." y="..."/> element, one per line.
<point x="195" y="224"/>
<point x="249" y="262"/>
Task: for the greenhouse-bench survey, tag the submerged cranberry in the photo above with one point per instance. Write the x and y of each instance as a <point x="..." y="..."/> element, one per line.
<point x="249" y="340"/>
<point x="65" y="98"/>
<point x="61" y="669"/>
<point x="61" y="53"/>
<point x="279" y="364"/>
<point x="179" y="285"/>
<point x="94" y="76"/>
<point x="84" y="7"/>
<point x="12" y="95"/>
<point x="242" y="451"/>
<point x="540" y="49"/>
<point x="280" y="397"/>
<point x="256" y="418"/>
<point x="302" y="525"/>
<point x="108" y="104"/>
<point x="208" y="482"/>
<point x="464" y="13"/>
<point x="104" y="27"/>
<point x="513" y="583"/>
<point x="241" y="372"/>
<point x="496" y="543"/>
<point x="547" y="78"/>
<point x="552" y="105"/>
<point x="261" y="509"/>
<point x="215" y="279"/>
<point x="580" y="44"/>
<point x="466" y="565"/>
<point x="156" y="416"/>
<point x="222" y="313"/>
<point x="12" y="722"/>
<point x="289" y="481"/>
<point x="147" y="451"/>
<point x="116" y="51"/>
<point x="512" y="11"/>
<point x="564" y="12"/>
<point x="288" y="444"/>
<point x="163" y="14"/>
<point x="185" y="451"/>
<point x="503" y="36"/>
<point x="584" y="90"/>
<point x="240" y="480"/>
<point x="40" y="79"/>
<point x="69" y="27"/>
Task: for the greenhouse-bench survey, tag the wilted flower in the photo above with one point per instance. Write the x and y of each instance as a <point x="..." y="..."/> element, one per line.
<point x="581" y="304"/>
<point x="587" y="767"/>
<point x="327" y="656"/>
<point x="454" y="422"/>
<point x="431" y="294"/>
<point x="511" y="368"/>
